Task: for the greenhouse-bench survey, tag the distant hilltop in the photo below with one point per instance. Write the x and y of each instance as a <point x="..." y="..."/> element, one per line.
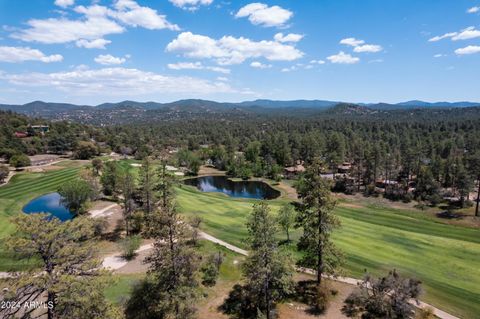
<point x="40" y="106"/>
<point x="128" y="111"/>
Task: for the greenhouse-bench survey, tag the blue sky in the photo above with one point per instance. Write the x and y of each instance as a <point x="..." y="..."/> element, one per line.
<point x="89" y="52"/>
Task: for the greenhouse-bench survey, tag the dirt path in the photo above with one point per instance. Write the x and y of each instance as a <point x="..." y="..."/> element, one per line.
<point x="9" y="177"/>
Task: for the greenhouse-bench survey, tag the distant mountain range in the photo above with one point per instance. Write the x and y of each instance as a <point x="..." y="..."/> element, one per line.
<point x="110" y="113"/>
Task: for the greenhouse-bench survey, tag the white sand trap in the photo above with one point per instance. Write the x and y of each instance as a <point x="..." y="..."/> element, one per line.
<point x="117" y="262"/>
<point x="102" y="212"/>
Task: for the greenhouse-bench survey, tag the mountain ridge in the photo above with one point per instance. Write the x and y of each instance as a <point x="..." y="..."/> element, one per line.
<point x="39" y="106"/>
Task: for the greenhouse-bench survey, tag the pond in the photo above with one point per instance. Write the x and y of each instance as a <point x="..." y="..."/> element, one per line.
<point x="49" y="203"/>
<point x="243" y="189"/>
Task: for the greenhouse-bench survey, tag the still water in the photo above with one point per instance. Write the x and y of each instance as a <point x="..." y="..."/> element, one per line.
<point x="243" y="189"/>
<point x="49" y="203"/>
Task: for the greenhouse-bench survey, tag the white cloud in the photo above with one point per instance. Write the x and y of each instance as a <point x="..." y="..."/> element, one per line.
<point x="372" y="48"/>
<point x="473" y="10"/>
<point x="259" y="65"/>
<point x="223" y="79"/>
<point x="131" y="13"/>
<point x="107" y="59"/>
<point x="64" y="30"/>
<point x="95" y="23"/>
<point x="196" y="66"/>
<point x="351" y="42"/>
<point x="343" y="58"/>
<point x="465" y="34"/>
<point x="231" y="50"/>
<point x="190" y="4"/>
<point x="185" y="65"/>
<point x="291" y="37"/>
<point x="360" y="46"/>
<point x="317" y="62"/>
<point x="93" y="44"/>
<point x="441" y="37"/>
<point x="116" y="82"/>
<point x="439" y="55"/>
<point x="468" y="33"/>
<point x="471" y="49"/>
<point x="21" y="54"/>
<point x="64" y="3"/>
<point x="262" y="14"/>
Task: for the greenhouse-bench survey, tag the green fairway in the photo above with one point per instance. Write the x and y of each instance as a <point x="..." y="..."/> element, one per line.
<point x="446" y="258"/>
<point x="22" y="188"/>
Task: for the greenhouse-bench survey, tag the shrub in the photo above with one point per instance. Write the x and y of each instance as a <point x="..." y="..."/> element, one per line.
<point x="317" y="297"/>
<point x="426" y="313"/>
<point x="85" y="150"/>
<point x="19" y="160"/>
<point x="129" y="245"/>
<point x="4" y="171"/>
<point x="211" y="269"/>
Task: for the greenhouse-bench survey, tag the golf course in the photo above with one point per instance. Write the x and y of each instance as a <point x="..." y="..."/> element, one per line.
<point x="373" y="237"/>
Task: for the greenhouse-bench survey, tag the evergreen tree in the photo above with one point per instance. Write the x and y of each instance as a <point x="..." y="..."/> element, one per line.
<point x="71" y="282"/>
<point x="109" y="178"/>
<point x="173" y="264"/>
<point x="75" y="195"/>
<point x="474" y="168"/>
<point x="267" y="269"/>
<point x="385" y="297"/>
<point x="127" y="190"/>
<point x="286" y="219"/>
<point x="316" y="218"/>
<point x="147" y="186"/>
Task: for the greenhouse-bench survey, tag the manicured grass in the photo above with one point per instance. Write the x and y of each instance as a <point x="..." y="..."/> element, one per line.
<point x="122" y="287"/>
<point x="446" y="258"/>
<point x="22" y="188"/>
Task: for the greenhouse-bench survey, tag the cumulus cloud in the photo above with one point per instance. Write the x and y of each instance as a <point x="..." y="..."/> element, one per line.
<point x="263" y="15"/>
<point x="473" y="10"/>
<point x="465" y="34"/>
<point x="117" y="81"/>
<point x="190" y="4"/>
<point x="372" y="48"/>
<point x="196" y="66"/>
<point x="96" y="22"/>
<point x="231" y="50"/>
<point x="131" y="13"/>
<point x="21" y="54"/>
<point x="64" y="30"/>
<point x="107" y="59"/>
<point x="291" y="37"/>
<point x="64" y="3"/>
<point x="352" y="42"/>
<point x="471" y="49"/>
<point x="259" y="65"/>
<point x="360" y="46"/>
<point x="93" y="44"/>
<point x="317" y="62"/>
<point x="343" y="58"/>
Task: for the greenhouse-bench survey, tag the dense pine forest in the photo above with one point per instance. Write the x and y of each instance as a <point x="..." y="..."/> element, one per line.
<point x="425" y="154"/>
